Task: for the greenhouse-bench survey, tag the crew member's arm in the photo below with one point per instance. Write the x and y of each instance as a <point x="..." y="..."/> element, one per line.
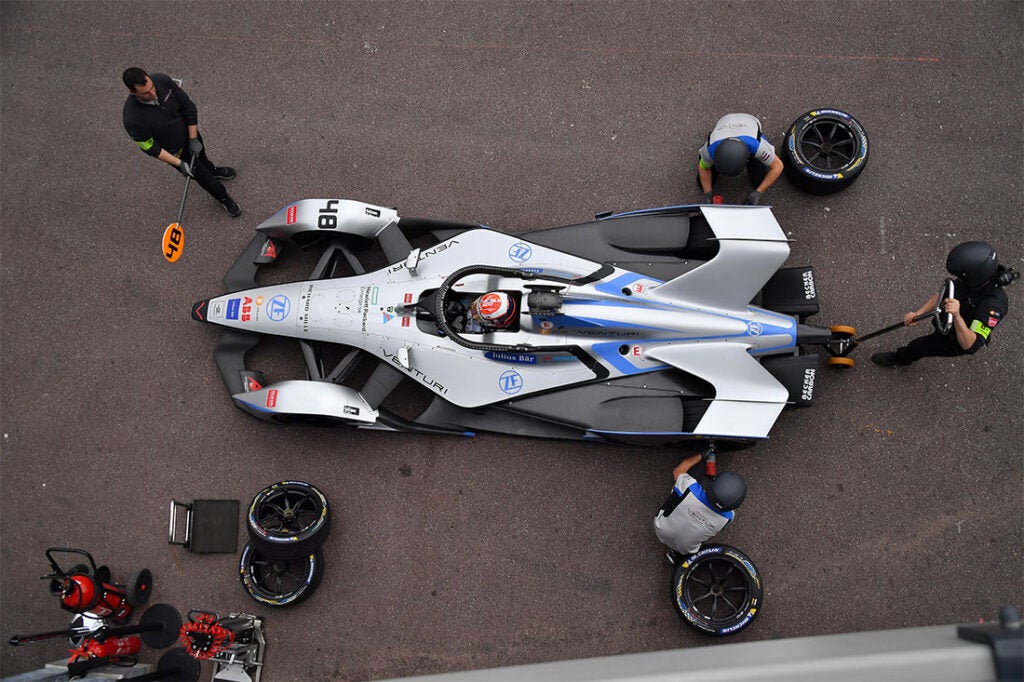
<point x="965" y="336"/>
<point x="189" y="112"/>
<point x="685" y="466"/>
<point x="774" y="171"/>
<point x="143" y="137"/>
<point x="169" y="158"/>
<point x="188" y="108"/>
<point x="929" y="305"/>
<point x="704" y="163"/>
<point x="705" y="177"/>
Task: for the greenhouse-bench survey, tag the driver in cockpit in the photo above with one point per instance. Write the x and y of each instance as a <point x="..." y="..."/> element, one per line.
<point x="493" y="310"/>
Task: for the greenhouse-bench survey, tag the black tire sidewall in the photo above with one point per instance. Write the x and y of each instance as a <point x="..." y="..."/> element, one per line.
<point x="806" y="177"/>
<point x="281" y="545"/>
<point x="752" y="579"/>
<point x="312" y="578"/>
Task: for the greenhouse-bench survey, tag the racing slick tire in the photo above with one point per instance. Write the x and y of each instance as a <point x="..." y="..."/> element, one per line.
<point x="840" y="362"/>
<point x="288" y="519"/>
<point x="843" y="329"/>
<point x="717" y="591"/>
<point x="280" y="582"/>
<point x="824" y="151"/>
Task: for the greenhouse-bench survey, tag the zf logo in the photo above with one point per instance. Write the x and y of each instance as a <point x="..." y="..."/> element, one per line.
<point x="327" y="219"/>
<point x="511" y="382"/>
<point x="278" y="308"/>
<point x="520" y="252"/>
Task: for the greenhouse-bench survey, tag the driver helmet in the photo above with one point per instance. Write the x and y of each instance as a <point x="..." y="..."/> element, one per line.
<point x="727" y="491"/>
<point x="731" y="156"/>
<point x="495" y="308"/>
<point x="973" y="263"/>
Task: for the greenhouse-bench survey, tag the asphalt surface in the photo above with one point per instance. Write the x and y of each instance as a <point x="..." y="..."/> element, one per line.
<point x="896" y="500"/>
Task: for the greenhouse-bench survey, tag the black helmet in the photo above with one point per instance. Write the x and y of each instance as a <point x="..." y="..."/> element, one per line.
<point x="727" y="491"/>
<point x="973" y="263"/>
<point x="731" y="156"/>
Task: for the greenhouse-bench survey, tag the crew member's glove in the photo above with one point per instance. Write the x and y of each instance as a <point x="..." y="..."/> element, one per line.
<point x="753" y="199"/>
<point x="708" y="198"/>
<point x="185" y="169"/>
<point x="195" y="146"/>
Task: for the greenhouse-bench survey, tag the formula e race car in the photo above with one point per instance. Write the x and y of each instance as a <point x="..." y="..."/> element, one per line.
<point x="647" y="327"/>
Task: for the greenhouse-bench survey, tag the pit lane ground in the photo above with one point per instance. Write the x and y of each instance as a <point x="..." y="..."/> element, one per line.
<point x="896" y="500"/>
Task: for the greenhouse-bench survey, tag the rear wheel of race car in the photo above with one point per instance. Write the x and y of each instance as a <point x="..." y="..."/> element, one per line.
<point x="280" y="582"/>
<point x="824" y="151"/>
<point x="840" y="362"/>
<point x="288" y="519"/>
<point x="717" y="591"/>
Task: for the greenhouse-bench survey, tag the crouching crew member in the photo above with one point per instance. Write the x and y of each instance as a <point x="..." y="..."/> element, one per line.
<point x="737" y="143"/>
<point x="695" y="512"/>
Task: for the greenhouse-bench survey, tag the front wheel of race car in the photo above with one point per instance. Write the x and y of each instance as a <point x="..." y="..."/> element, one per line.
<point x="280" y="582"/>
<point x="824" y="151"/>
<point x="288" y="519"/>
<point x="717" y="591"/>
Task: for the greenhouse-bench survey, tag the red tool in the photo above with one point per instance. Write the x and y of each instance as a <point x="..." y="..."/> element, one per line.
<point x="113" y="647"/>
<point x="204" y="637"/>
<point x="87" y="589"/>
<point x="234" y="644"/>
<point x="710" y="462"/>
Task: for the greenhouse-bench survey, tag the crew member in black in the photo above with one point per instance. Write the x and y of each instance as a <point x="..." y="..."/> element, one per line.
<point x="978" y="305"/>
<point x="161" y="118"/>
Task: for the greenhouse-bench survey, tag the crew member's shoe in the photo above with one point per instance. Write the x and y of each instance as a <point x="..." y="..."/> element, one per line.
<point x="224" y="173"/>
<point x="233" y="209"/>
<point x="888" y="359"/>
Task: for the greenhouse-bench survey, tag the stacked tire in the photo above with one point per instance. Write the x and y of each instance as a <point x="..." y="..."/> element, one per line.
<point x="288" y="523"/>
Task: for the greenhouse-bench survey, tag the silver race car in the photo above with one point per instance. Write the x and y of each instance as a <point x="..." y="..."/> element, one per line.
<point x="647" y="327"/>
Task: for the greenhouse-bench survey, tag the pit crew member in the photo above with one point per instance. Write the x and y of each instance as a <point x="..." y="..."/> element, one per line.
<point x="978" y="306"/>
<point x="164" y="122"/>
<point x="694" y="512"/>
<point x="737" y="142"/>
